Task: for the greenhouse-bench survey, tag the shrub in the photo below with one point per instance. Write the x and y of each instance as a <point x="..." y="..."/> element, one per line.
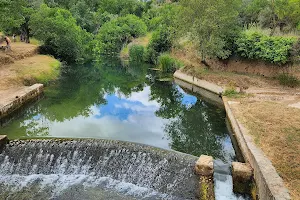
<point x="114" y="34"/>
<point x="295" y="53"/>
<point x="288" y="80"/>
<point x="273" y="49"/>
<point x="136" y="53"/>
<point x="59" y="33"/>
<point x="168" y="64"/>
<point x="160" y="42"/>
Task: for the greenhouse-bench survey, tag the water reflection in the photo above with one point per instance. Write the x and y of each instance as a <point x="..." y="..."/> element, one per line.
<point x="108" y="100"/>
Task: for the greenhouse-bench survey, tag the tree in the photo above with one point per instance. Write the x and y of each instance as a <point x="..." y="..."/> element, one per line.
<point x="280" y="13"/>
<point x="61" y="36"/>
<point x="251" y="9"/>
<point x="16" y="14"/>
<point x="209" y="23"/>
<point x="113" y="34"/>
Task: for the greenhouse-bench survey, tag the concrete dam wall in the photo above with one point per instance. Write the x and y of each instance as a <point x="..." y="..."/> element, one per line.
<point x="56" y="169"/>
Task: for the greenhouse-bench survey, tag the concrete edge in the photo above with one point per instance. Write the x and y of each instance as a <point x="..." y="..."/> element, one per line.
<point x="270" y="185"/>
<point x="198" y="82"/>
<point x="20" y="98"/>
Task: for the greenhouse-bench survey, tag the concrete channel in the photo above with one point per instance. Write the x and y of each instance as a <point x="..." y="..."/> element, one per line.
<point x="269" y="184"/>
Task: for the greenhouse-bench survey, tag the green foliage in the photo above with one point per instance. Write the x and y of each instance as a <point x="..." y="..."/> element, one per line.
<point x="168" y="63"/>
<point x="136" y="53"/>
<point x="295" y="52"/>
<point x="250" y="10"/>
<point x="165" y="15"/>
<point x="60" y="35"/>
<point x="288" y="80"/>
<point x="273" y="49"/>
<point x="123" y="7"/>
<point x="209" y="24"/>
<point x="160" y="42"/>
<point x="271" y="14"/>
<point x="114" y="34"/>
<point x="231" y="92"/>
<point x="83" y="15"/>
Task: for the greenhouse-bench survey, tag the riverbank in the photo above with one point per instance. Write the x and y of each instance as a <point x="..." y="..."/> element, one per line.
<point x="21" y="68"/>
<point x="271" y="116"/>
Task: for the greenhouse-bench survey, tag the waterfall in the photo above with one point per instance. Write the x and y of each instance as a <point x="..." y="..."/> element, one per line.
<point x="91" y="169"/>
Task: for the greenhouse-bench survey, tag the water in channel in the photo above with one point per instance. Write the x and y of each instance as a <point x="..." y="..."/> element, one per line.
<point x="108" y="100"/>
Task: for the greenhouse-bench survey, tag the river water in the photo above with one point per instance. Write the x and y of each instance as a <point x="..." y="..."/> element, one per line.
<point x="110" y="100"/>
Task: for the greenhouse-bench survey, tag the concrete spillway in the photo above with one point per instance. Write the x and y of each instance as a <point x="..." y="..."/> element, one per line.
<point x="94" y="169"/>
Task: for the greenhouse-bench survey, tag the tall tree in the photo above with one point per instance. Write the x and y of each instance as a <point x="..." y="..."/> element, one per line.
<point x="209" y="23"/>
<point x="16" y="14"/>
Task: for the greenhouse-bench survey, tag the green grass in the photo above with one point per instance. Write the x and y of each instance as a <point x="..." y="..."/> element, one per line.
<point x="54" y="72"/>
<point x="288" y="80"/>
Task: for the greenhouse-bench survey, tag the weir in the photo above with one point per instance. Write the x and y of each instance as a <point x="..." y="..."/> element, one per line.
<point x="86" y="167"/>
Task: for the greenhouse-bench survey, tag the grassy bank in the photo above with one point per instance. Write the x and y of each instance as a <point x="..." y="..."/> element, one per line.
<point x="276" y="131"/>
<point x="37" y="69"/>
<point x="28" y="71"/>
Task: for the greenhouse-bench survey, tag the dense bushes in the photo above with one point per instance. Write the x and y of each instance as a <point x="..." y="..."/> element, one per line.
<point x="60" y="35"/>
<point x="295" y="53"/>
<point x="160" y="42"/>
<point x="114" y="34"/>
<point x="168" y="64"/>
<point x="136" y="53"/>
<point x="273" y="49"/>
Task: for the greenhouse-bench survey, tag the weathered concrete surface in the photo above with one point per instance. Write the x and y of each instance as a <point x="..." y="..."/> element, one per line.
<point x="207" y="191"/>
<point x="198" y="82"/>
<point x="205" y="166"/>
<point x="13" y="101"/>
<point x="205" y="94"/>
<point x="242" y="174"/>
<point x="269" y="183"/>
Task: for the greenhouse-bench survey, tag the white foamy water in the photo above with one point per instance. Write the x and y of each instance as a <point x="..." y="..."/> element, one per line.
<point x="90" y="169"/>
<point x="58" y="184"/>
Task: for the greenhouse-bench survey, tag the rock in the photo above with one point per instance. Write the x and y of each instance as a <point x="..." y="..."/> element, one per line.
<point x="205" y="166"/>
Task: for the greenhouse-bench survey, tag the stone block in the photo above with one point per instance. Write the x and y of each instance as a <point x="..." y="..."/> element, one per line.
<point x="242" y="175"/>
<point x="205" y="166"/>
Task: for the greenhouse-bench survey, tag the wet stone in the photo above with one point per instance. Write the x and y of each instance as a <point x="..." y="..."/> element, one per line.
<point x="205" y="166"/>
<point x="242" y="174"/>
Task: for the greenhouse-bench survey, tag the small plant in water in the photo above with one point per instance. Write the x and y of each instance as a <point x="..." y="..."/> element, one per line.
<point x="168" y="64"/>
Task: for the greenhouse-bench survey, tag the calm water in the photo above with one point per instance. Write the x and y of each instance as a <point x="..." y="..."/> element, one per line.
<point x="129" y="103"/>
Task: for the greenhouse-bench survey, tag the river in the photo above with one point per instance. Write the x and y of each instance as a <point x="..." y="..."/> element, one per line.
<point x="112" y="100"/>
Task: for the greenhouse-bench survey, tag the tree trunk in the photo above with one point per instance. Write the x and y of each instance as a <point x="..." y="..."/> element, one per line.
<point x="25" y="31"/>
<point x="274" y="24"/>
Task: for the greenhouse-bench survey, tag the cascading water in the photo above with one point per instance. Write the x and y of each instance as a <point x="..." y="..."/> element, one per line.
<point x="94" y="169"/>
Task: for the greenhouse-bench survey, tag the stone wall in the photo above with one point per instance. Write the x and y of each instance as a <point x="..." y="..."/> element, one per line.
<point x="18" y="99"/>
